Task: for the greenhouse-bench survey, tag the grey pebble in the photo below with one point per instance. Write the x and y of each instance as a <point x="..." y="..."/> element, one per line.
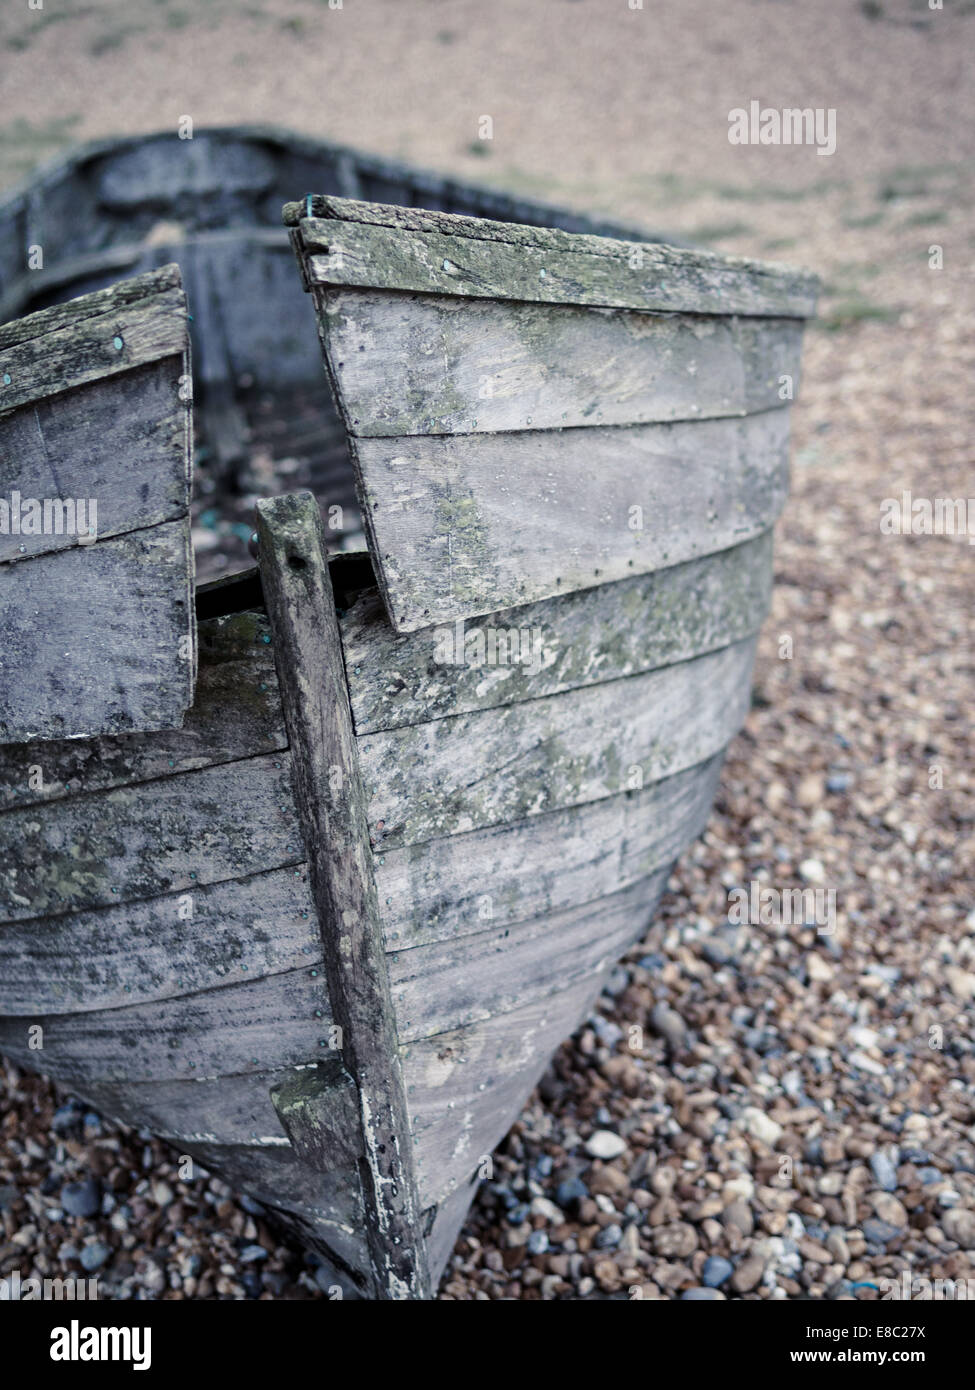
<point x="884" y="1171"/>
<point x="537" y="1243"/>
<point x="82" y="1198"/>
<point x="716" y="1270"/>
<point x="95" y="1255"/>
<point x="702" y="1295"/>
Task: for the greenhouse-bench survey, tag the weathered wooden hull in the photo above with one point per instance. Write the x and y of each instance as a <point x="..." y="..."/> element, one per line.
<point x="325" y="936"/>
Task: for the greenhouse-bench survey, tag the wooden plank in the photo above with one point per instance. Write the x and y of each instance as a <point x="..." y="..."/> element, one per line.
<point x="435" y="364"/>
<point x="448" y="984"/>
<point x="494" y="766"/>
<point x="457" y="886"/>
<point x="233" y="1109"/>
<point x="120" y="443"/>
<point x="177" y="833"/>
<point x="329" y="1203"/>
<point x="236" y="713"/>
<point x="279" y="1021"/>
<point x="466" y="1088"/>
<point x="319" y="1109"/>
<point x="450" y="1217"/>
<point x="178" y="944"/>
<point x="352" y="243"/>
<point x="68" y="346"/>
<point x="468" y="524"/>
<point x="99" y="638"/>
<point x="585" y="637"/>
<point x="331" y="802"/>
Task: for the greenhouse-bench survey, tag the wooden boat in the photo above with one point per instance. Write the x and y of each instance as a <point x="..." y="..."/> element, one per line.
<point x="324" y="929"/>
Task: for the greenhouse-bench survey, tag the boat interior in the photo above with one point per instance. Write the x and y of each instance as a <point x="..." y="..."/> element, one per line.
<point x="264" y="418"/>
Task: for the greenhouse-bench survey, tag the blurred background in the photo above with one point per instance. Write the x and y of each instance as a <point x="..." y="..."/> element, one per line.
<point x="851" y="1055"/>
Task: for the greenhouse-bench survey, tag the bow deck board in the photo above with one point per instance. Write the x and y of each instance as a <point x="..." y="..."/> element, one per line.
<point x="587" y="637"/>
<point x="436" y="364"/>
<point x="97" y="632"/>
<point x="386" y="247"/>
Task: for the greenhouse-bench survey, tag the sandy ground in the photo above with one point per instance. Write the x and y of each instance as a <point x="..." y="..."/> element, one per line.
<point x="850" y="1055"/>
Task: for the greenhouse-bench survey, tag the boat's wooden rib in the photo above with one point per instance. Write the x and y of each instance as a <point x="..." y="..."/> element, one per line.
<point x="179" y="944"/>
<point x="395" y="248"/>
<point x="435" y="364"/>
<point x="332" y="806"/>
<point x="81" y="444"/>
<point x="493" y="766"/>
<point x="465" y="524"/>
<point x="236" y="713"/>
<point x="586" y="637"/>
<point x="463" y="884"/>
<point x="278" y="1021"/>
<point x="175" y="833"/>
<point x="465" y="1088"/>
<point x="441" y="987"/>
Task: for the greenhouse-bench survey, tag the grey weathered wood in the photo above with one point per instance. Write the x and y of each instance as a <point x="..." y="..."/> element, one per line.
<point x="236" y="713"/>
<point x="176" y="833"/>
<point x="450" y="1216"/>
<point x="98" y="639"/>
<point x="319" y="1109"/>
<point x="586" y="637"/>
<point x="327" y="1203"/>
<point x="70" y="344"/>
<point x="494" y="766"/>
<point x="463" y="884"/>
<point x="254" y="1026"/>
<point x="234" y="1109"/>
<point x="465" y="1088"/>
<point x="332" y="807"/>
<point x="98" y="634"/>
<point x="435" y="364"/>
<point x="120" y="441"/>
<point x="350" y="243"/>
<point x="178" y="944"/>
<point x="468" y="524"/>
<point x="443" y="986"/>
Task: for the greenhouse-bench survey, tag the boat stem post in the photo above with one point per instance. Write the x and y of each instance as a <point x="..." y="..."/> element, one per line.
<point x="331" y="805"/>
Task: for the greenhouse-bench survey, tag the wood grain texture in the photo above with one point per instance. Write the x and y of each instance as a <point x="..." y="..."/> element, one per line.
<point x="435" y="364"/>
<point x="467" y="524"/>
<point x="328" y="1204"/>
<point x="331" y="802"/>
<point x="260" y="1025"/>
<point x="227" y="1109"/>
<point x="70" y="344"/>
<point x="178" y="944"/>
<point x="121" y="441"/>
<point x="463" y="884"/>
<point x="236" y="713"/>
<point x="443" y="986"/>
<point x="98" y="639"/>
<point x="385" y="247"/>
<point x="465" y="1088"/>
<point x="176" y="833"/>
<point x="586" y="637"/>
<point x="319" y="1109"/>
<point x="494" y="766"/>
